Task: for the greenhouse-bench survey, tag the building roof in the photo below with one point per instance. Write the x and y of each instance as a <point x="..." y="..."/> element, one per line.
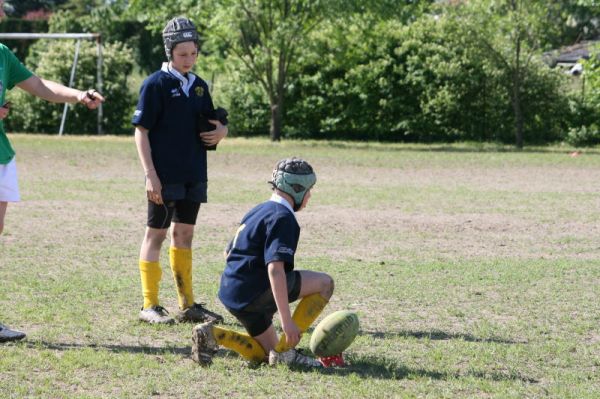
<point x="572" y="54"/>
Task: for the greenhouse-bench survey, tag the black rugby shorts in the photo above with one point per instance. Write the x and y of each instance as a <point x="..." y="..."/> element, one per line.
<point x="181" y="203"/>
<point x="258" y="316"/>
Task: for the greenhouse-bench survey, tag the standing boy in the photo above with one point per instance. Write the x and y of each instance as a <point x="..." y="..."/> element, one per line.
<point x="13" y="73"/>
<point x="260" y="279"/>
<point x="173" y="156"/>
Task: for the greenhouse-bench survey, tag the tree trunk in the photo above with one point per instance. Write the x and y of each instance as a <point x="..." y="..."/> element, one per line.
<point x="275" y="127"/>
<point x="518" y="119"/>
<point x="277" y="98"/>
<point x="516" y="94"/>
<point x="277" y="101"/>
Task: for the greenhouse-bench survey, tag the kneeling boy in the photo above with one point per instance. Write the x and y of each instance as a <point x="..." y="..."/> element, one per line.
<point x="260" y="279"/>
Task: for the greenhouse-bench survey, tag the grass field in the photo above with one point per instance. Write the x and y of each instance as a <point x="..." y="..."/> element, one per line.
<point x="474" y="270"/>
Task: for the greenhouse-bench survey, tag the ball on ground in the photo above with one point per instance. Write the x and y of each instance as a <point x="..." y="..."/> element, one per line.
<point x="334" y="333"/>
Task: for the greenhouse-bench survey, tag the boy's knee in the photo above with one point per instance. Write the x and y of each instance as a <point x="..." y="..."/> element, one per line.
<point x="155" y="239"/>
<point x="328" y="286"/>
<point x="182" y="237"/>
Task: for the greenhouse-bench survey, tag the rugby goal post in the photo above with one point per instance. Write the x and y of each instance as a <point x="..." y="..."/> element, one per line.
<point x="73" y="36"/>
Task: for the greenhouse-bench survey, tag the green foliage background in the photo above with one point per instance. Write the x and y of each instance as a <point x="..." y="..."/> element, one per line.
<point x="21" y="47"/>
<point x="47" y="58"/>
<point x="369" y="70"/>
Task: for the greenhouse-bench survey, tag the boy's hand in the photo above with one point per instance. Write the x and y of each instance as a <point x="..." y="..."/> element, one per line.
<point x="213" y="137"/>
<point x="154" y="188"/>
<point x="292" y="333"/>
<point x="90" y="98"/>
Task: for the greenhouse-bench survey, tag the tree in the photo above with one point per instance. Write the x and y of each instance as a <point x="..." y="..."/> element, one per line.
<point x="82" y="7"/>
<point x="266" y="35"/>
<point x="573" y="21"/>
<point x="512" y="33"/>
<point x="18" y="8"/>
<point x="263" y="34"/>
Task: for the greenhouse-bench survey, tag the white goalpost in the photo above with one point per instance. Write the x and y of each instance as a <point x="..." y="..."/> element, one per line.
<point x="78" y="37"/>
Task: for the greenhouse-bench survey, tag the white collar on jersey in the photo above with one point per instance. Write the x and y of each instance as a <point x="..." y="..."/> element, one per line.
<point x="280" y="200"/>
<point x="186" y="83"/>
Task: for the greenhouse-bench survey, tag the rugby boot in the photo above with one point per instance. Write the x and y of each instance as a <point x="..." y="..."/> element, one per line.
<point x="197" y="313"/>
<point x="156" y="315"/>
<point x="292" y="358"/>
<point x="6" y="334"/>
<point x="204" y="345"/>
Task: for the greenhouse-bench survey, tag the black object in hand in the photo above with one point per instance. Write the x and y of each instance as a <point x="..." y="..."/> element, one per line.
<point x="204" y="125"/>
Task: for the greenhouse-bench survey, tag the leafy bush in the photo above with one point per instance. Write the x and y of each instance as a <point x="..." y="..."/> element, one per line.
<point x="584" y="136"/>
<point x="52" y="60"/>
<point x="545" y="105"/>
<point x="148" y="50"/>
<point x="245" y="101"/>
<point x="419" y="82"/>
<point x="396" y="82"/>
<point x="585" y="105"/>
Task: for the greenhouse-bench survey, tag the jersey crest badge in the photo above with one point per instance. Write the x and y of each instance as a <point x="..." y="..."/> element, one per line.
<point x="199" y="91"/>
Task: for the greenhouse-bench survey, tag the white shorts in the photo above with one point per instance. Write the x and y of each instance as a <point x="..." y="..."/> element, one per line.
<point x="9" y="185"/>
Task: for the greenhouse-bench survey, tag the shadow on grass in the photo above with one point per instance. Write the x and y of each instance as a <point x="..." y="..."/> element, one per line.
<point x="150" y="350"/>
<point x="381" y="368"/>
<point x="438" y="335"/>
<point x="363" y="367"/>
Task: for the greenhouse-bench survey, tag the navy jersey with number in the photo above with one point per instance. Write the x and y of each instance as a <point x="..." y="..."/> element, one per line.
<point x="169" y="110"/>
<point x="267" y="233"/>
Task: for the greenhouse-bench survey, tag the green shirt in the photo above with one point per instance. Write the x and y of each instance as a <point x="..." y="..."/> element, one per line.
<point x="12" y="71"/>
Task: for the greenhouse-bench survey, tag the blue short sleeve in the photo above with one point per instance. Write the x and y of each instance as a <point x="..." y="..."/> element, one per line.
<point x="281" y="240"/>
<point x="149" y="106"/>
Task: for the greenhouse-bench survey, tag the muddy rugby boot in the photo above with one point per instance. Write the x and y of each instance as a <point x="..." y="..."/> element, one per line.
<point x="197" y="313"/>
<point x="204" y="345"/>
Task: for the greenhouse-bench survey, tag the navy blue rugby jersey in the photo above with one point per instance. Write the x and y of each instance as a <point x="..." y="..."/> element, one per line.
<point x="168" y="107"/>
<point x="267" y="233"/>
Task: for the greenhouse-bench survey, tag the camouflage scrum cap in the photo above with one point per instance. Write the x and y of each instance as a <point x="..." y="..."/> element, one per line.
<point x="294" y="176"/>
<point x="178" y="30"/>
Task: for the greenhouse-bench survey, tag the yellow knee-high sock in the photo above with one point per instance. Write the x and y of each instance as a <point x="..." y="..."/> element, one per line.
<point x="181" y="265"/>
<point x="242" y="343"/>
<point x="307" y="311"/>
<point x="150" y="272"/>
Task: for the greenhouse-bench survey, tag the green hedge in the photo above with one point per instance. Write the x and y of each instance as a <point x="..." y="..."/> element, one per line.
<point x="52" y="60"/>
<point x="394" y="82"/>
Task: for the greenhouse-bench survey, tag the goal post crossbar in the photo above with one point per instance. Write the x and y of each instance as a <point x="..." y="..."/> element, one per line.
<point x="49" y="36"/>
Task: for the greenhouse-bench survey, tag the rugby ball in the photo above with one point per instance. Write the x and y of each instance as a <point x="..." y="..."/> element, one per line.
<point x="334" y="333"/>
